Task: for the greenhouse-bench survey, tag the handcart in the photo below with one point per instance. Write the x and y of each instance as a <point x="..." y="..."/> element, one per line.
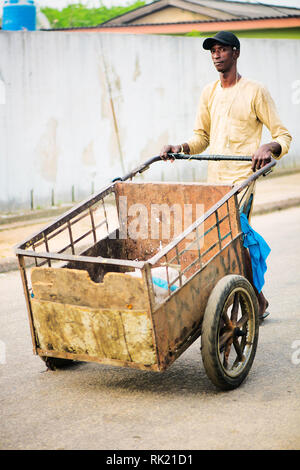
<point x="90" y="289"/>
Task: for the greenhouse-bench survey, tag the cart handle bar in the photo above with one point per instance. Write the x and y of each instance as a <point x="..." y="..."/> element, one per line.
<point x="179" y="156"/>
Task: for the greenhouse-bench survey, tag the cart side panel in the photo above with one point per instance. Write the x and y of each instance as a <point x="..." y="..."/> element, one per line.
<point x="74" y="287"/>
<point x="202" y="244"/>
<point x="161" y="211"/>
<point x="177" y="323"/>
<point x="108" y="321"/>
<point x="103" y="333"/>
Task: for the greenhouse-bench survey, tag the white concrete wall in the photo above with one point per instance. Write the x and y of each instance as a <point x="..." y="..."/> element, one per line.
<point x="82" y="108"/>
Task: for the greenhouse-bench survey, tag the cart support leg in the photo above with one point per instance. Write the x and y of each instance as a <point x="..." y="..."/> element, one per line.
<point x="27" y="299"/>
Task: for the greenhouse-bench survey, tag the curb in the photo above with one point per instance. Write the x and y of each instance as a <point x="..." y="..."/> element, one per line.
<point x="11" y="263"/>
<point x="276" y="206"/>
<point x="8" y="264"/>
<point x="34" y="215"/>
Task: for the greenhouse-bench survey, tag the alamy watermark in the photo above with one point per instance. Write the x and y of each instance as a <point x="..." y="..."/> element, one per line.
<point x="296" y="354"/>
<point x="159" y="221"/>
<point x="2" y="92"/>
<point x="296" y="92"/>
<point x="2" y="352"/>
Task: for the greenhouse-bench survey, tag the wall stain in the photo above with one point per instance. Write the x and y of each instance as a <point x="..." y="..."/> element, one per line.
<point x="47" y="152"/>
<point x="108" y="87"/>
<point x="118" y="83"/>
<point x="88" y="157"/>
<point x="153" y="146"/>
<point x="137" y="70"/>
<point x="161" y="91"/>
<point x="105" y="103"/>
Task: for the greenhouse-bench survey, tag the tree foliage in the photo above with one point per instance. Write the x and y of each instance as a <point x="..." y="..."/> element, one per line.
<point x="78" y="15"/>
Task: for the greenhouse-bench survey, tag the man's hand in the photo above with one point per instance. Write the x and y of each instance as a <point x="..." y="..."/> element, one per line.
<point x="263" y="155"/>
<point x="169" y="149"/>
<point x="173" y="149"/>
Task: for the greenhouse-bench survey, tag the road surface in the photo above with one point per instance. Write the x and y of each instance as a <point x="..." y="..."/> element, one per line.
<point x="91" y="406"/>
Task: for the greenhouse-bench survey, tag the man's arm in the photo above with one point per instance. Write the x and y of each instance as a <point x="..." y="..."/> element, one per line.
<point x="266" y="112"/>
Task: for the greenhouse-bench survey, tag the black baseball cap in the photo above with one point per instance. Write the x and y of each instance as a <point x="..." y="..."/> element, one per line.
<point x="224" y="37"/>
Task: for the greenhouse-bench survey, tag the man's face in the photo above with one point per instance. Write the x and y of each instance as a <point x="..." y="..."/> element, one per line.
<point x="223" y="57"/>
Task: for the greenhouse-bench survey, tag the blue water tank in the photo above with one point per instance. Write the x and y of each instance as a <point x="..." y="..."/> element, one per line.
<point x="19" y="15"/>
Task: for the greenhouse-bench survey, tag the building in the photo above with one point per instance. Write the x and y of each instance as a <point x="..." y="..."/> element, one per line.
<point x="202" y="17"/>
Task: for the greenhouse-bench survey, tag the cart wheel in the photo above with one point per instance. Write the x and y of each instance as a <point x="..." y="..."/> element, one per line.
<point x="230" y="332"/>
<point x="54" y="363"/>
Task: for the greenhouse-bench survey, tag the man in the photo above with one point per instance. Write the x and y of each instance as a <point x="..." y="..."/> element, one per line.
<point x="230" y="117"/>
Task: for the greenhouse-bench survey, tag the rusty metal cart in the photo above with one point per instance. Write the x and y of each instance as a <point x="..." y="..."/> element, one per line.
<point x="84" y="305"/>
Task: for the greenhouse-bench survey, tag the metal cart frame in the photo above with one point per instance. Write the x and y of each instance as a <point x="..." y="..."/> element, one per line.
<point x="136" y="331"/>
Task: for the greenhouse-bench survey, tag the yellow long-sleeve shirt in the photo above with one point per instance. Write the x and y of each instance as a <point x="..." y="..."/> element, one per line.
<point x="230" y="121"/>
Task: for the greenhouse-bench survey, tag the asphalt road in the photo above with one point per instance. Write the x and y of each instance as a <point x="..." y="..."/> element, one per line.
<point x="90" y="406"/>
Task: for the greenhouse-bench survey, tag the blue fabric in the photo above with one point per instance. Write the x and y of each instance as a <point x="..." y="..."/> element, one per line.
<point x="259" y="251"/>
<point x="163" y="284"/>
